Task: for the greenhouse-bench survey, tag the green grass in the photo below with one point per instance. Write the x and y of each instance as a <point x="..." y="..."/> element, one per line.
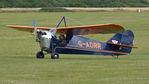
<point x="18" y="64"/>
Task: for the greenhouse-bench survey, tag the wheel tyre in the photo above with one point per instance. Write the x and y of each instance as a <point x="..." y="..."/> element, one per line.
<point x="40" y="55"/>
<point x="55" y="56"/>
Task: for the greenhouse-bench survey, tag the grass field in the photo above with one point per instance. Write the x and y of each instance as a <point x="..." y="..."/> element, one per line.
<point x="18" y="64"/>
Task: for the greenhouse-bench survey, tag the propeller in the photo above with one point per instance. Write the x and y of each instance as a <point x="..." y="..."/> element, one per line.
<point x="35" y="33"/>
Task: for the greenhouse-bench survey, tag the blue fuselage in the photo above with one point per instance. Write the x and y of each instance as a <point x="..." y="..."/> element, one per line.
<point x="82" y="45"/>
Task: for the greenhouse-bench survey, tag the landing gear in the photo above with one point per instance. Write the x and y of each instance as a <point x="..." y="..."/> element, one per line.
<point x="40" y="54"/>
<point x="54" y="56"/>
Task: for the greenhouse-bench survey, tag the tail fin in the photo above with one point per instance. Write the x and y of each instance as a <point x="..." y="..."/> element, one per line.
<point x="122" y="42"/>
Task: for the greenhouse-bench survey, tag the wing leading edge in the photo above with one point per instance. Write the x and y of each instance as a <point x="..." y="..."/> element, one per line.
<point x="78" y="30"/>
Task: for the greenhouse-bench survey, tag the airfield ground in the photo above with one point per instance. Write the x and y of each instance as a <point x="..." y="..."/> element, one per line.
<point x="18" y="64"/>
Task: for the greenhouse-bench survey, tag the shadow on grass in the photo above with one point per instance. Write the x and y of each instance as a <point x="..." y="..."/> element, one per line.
<point x="83" y="58"/>
<point x="86" y="57"/>
<point x="62" y="57"/>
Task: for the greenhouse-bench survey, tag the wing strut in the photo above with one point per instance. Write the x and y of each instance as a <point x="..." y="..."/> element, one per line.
<point x="63" y="18"/>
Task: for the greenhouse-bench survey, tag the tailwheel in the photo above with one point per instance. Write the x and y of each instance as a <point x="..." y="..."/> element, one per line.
<point x="116" y="57"/>
<point x="54" y="56"/>
<point x="40" y="54"/>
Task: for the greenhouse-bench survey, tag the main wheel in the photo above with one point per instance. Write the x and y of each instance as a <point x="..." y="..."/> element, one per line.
<point x="54" y="56"/>
<point x="40" y="54"/>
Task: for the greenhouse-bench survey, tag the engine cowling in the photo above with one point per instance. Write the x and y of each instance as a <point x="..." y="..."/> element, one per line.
<point x="44" y="39"/>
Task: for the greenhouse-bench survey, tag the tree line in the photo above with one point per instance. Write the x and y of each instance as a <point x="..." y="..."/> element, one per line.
<point x="72" y="3"/>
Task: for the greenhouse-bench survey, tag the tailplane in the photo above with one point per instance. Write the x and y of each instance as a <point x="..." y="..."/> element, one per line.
<point x="122" y="42"/>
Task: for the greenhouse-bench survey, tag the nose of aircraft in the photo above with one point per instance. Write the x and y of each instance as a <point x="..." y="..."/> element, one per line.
<point x="44" y="40"/>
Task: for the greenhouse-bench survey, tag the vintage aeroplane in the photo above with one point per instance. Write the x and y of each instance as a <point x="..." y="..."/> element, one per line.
<point x="120" y="44"/>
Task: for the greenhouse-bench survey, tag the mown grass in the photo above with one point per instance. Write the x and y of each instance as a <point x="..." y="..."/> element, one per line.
<point x="18" y="64"/>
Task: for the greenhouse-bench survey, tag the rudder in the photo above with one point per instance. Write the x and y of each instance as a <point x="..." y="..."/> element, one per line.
<point x="122" y="42"/>
<point x="127" y="39"/>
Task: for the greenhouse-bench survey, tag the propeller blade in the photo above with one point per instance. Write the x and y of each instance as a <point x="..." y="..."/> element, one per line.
<point x="35" y="27"/>
<point x="35" y="30"/>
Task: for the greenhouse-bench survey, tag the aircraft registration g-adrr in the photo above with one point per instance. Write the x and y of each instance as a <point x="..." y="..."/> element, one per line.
<point x="120" y="44"/>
